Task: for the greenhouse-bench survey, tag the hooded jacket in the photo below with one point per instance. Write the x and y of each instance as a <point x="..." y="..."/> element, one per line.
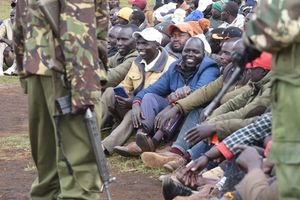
<point x="207" y="71"/>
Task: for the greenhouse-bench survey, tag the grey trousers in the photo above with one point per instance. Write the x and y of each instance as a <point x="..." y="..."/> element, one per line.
<point x="122" y="132"/>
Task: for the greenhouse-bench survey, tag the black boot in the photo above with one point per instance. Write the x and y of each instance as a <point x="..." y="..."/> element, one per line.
<point x="172" y="188"/>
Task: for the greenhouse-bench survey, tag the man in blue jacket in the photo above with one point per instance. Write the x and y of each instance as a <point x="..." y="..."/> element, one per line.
<point x="184" y="76"/>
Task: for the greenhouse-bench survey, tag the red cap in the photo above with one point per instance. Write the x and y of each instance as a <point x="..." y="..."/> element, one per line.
<point x="264" y="61"/>
<point x="139" y="3"/>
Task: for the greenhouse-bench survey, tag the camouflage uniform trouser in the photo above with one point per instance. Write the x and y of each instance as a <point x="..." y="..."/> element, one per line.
<point x="285" y="146"/>
<point x="53" y="179"/>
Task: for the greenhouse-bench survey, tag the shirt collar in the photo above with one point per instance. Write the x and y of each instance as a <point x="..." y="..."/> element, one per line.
<point x="152" y="63"/>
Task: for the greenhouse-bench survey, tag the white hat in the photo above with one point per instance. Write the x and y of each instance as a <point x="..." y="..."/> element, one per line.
<point x="149" y="34"/>
<point x="202" y="5"/>
<point x="178" y="15"/>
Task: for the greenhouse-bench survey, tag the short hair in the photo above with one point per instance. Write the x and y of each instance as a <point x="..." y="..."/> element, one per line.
<point x="138" y="15"/>
<point x="132" y="27"/>
<point x="232" y="7"/>
<point x="196" y="38"/>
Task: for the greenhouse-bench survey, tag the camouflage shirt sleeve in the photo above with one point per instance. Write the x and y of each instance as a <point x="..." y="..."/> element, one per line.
<point x="275" y="25"/>
<point x="78" y="36"/>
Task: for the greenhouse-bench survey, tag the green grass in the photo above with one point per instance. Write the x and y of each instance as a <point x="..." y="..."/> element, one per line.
<point x="124" y="3"/>
<point x="15" y="142"/>
<point x="9" y="80"/>
<point x="4" y="9"/>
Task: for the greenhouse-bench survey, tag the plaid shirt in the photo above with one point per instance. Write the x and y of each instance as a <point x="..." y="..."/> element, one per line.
<point x="249" y="135"/>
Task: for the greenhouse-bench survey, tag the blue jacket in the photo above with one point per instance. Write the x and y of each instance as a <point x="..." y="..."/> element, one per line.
<point x="172" y="79"/>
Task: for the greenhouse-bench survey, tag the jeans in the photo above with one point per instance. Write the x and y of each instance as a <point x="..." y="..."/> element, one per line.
<point x="191" y="121"/>
<point x="198" y="149"/>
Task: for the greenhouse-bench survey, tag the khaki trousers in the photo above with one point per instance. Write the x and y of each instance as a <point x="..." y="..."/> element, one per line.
<point x="53" y="179"/>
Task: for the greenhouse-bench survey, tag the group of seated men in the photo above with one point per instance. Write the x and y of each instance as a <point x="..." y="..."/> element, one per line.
<point x="165" y="66"/>
<point x="7" y="56"/>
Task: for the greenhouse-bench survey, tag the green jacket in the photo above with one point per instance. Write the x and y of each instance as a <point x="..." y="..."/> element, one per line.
<point x="118" y="67"/>
<point x="204" y="95"/>
<point x="243" y="109"/>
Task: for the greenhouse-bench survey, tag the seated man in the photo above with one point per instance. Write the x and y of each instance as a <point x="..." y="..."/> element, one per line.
<point x="120" y="63"/>
<point x="184" y="76"/>
<point x="112" y="40"/>
<point x="113" y="18"/>
<point x="151" y="63"/>
<point x="179" y="33"/>
<point x="123" y="15"/>
<point x="141" y="5"/>
<point x="6" y="51"/>
<point x="138" y="18"/>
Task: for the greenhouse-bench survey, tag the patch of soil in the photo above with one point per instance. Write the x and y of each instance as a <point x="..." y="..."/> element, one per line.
<point x="15" y="179"/>
<point x="13" y="106"/>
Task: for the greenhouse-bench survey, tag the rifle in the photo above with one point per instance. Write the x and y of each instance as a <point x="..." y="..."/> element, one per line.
<point x="64" y="106"/>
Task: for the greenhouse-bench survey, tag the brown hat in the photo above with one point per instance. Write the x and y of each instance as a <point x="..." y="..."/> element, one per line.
<point x="183" y="27"/>
<point x="196" y="27"/>
<point x="204" y="23"/>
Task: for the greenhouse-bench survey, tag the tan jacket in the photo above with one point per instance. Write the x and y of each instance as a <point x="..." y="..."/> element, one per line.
<point x="133" y="81"/>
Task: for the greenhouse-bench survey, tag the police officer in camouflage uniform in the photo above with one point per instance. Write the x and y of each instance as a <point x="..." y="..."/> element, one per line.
<point x="40" y="56"/>
<point x="276" y="28"/>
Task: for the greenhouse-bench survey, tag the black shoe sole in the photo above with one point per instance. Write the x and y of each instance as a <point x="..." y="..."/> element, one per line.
<point x="142" y="141"/>
<point x="172" y="189"/>
<point x="126" y="153"/>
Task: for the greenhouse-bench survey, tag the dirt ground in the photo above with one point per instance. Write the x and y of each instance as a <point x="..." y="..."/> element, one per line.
<point x="15" y="180"/>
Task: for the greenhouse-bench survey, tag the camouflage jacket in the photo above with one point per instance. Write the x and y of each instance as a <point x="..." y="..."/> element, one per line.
<point x="81" y="24"/>
<point x="275" y="28"/>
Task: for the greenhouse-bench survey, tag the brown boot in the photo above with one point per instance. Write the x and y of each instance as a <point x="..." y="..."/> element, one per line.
<point x="175" y="164"/>
<point x="145" y="142"/>
<point x="152" y="159"/>
<point x="131" y="150"/>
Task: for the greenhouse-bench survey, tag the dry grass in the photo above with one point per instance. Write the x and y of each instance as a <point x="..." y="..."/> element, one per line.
<point x="4" y="9"/>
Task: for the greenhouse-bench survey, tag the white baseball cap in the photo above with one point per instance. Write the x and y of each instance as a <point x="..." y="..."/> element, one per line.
<point x="202" y="5"/>
<point x="149" y="34"/>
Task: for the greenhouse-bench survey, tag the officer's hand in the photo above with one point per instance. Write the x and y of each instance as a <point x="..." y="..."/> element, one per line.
<point x="165" y="115"/>
<point x="137" y="115"/>
<point x="200" y="132"/>
<point x="249" y="159"/>
<point x="123" y="102"/>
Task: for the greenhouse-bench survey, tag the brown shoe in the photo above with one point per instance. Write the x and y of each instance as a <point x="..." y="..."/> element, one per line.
<point x="145" y="142"/>
<point x="152" y="159"/>
<point x="132" y="149"/>
<point x="175" y="164"/>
